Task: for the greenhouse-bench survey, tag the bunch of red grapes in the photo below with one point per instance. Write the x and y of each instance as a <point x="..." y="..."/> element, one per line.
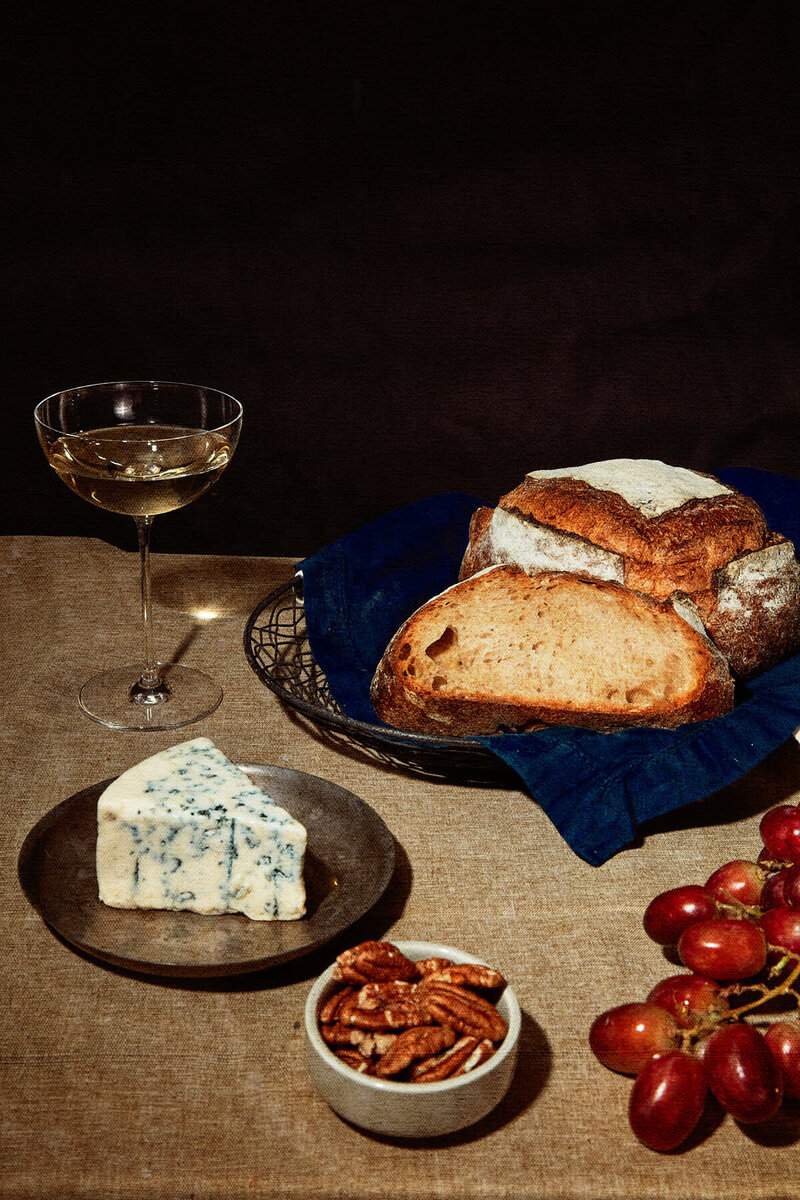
<point x="739" y="937"/>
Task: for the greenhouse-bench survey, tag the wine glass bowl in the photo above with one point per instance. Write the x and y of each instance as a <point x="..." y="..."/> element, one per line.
<point x="142" y="448"/>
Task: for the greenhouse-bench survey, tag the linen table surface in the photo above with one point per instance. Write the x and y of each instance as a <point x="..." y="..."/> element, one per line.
<point x="118" y="1085"/>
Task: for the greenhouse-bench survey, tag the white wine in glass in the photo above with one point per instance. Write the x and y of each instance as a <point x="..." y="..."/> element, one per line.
<point x="142" y="448"/>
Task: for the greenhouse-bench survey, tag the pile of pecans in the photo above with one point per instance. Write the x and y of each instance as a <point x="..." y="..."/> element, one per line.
<point x="416" y="1022"/>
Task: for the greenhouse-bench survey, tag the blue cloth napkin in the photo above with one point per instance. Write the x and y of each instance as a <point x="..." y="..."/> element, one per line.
<point x="596" y="788"/>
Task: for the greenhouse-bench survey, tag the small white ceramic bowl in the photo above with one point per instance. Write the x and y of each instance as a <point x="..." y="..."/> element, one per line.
<point x="412" y="1110"/>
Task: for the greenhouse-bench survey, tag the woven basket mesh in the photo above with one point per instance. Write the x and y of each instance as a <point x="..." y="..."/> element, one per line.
<point x="276" y="645"/>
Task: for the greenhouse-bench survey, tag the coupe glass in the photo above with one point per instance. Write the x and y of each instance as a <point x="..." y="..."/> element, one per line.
<point x="141" y="449"/>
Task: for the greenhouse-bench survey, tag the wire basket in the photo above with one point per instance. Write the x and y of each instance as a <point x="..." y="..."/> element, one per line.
<point x="276" y="645"/>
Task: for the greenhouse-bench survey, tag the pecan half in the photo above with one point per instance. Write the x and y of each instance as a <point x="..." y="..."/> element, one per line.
<point x="369" y="1042"/>
<point x="395" y="1014"/>
<point x="465" y="1011"/>
<point x="355" y="1059"/>
<point x="336" y="1034"/>
<point x="427" y="965"/>
<point x="484" y="1049"/>
<point x="330" y="1008"/>
<point x="411" y="1044"/>
<point x="445" y="1064"/>
<point x="470" y="975"/>
<point x="373" y="961"/>
<point x="467" y="1054"/>
<point x="379" y="993"/>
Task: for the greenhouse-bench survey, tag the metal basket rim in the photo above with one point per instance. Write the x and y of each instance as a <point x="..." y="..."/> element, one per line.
<point x="392" y="740"/>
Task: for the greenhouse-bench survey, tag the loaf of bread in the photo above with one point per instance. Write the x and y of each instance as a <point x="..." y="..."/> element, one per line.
<point x="660" y="530"/>
<point x="504" y="650"/>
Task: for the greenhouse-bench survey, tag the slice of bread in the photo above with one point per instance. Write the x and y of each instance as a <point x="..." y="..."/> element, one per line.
<point x="504" y="650"/>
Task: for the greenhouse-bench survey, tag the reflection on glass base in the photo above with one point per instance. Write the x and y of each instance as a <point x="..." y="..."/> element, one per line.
<point x="109" y="698"/>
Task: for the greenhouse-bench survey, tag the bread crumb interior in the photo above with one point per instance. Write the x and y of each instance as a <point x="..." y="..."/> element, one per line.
<point x="566" y="643"/>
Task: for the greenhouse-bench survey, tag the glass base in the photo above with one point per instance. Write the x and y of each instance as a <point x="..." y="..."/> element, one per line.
<point x="114" y="698"/>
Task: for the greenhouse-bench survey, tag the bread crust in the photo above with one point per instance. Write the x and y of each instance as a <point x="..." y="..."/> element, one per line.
<point x="677" y="551"/>
<point x="478" y="554"/>
<point x="403" y="702"/>
<point x="755" y="613"/>
<point x="743" y="578"/>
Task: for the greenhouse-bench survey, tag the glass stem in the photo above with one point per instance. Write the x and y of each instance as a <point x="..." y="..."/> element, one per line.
<point x="151" y="680"/>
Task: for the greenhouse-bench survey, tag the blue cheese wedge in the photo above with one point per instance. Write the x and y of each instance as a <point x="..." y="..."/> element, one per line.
<point x="186" y="829"/>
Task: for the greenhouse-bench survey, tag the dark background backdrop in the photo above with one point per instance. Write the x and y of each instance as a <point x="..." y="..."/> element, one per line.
<point x="430" y="246"/>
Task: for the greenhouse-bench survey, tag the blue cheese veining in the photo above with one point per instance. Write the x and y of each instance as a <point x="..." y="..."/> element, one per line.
<point x="186" y="829"/>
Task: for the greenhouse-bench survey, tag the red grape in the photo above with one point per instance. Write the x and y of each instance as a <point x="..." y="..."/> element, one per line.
<point x="688" y="1037"/>
<point x="791" y="886"/>
<point x="783" y="1040"/>
<point x="627" y="1037"/>
<point x="688" y="997"/>
<point x="723" y="949"/>
<point x="667" y="1100"/>
<point x="781" y="926"/>
<point x="738" y="880"/>
<point x="743" y="1074"/>
<point x="773" y="891"/>
<point x="780" y="832"/>
<point x="669" y="913"/>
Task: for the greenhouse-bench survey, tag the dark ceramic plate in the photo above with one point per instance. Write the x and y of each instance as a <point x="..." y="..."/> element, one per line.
<point x="349" y="862"/>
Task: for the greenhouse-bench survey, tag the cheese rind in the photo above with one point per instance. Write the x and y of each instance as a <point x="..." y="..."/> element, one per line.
<point x="186" y="829"/>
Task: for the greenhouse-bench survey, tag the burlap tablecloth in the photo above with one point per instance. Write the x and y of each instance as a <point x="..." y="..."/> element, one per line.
<point x="116" y="1085"/>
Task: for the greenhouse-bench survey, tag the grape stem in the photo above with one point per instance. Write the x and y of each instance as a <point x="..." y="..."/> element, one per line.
<point x="784" y="988"/>
<point x="739" y="909"/>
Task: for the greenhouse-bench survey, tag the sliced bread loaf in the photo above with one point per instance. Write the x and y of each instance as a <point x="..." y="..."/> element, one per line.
<point x="505" y="650"/>
<point x="660" y="530"/>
